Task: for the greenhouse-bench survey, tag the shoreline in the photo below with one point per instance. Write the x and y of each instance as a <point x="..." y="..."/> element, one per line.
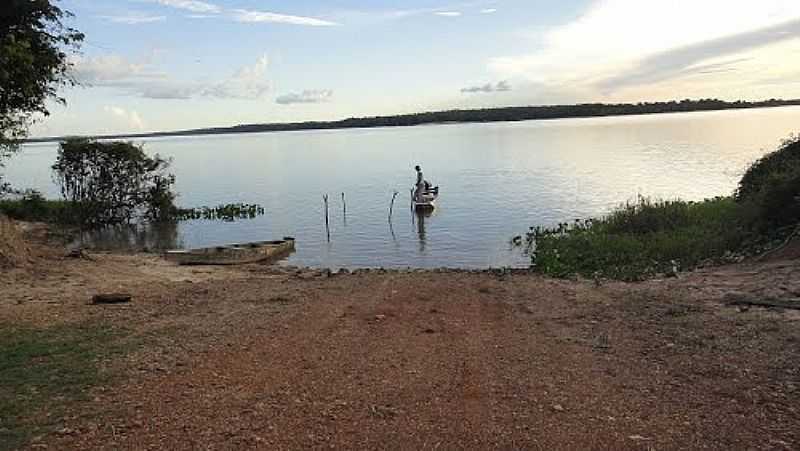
<point x="276" y="357"/>
<point x="378" y="122"/>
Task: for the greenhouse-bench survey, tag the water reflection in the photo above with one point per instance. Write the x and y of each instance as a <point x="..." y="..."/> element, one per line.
<point x="391" y="230"/>
<point x="422" y="214"/>
<point x="150" y="237"/>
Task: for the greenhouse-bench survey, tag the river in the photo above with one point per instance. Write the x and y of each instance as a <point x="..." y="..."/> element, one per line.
<point x="496" y="181"/>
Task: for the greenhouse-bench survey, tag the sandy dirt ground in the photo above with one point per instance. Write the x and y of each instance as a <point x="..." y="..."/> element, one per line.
<point x="257" y="357"/>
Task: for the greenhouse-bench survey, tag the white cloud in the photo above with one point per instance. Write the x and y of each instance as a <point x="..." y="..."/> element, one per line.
<point x="502" y="86"/>
<point x="109" y="69"/>
<point x="706" y="57"/>
<point x="614" y="37"/>
<point x="308" y="96"/>
<point x="371" y="16"/>
<point x="249" y="82"/>
<point x="204" y="10"/>
<point x="166" y="90"/>
<point x="246" y="16"/>
<point x="131" y="119"/>
<point x="194" y="6"/>
<point x="134" y="19"/>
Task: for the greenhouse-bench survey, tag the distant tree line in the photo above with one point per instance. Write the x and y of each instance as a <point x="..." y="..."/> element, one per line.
<point x="517" y="114"/>
<point x="483" y="115"/>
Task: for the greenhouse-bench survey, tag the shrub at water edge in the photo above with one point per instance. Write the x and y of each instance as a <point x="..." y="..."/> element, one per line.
<point x="112" y="183"/>
<point x="770" y="189"/>
<point x="33" y="207"/>
<point x="640" y="240"/>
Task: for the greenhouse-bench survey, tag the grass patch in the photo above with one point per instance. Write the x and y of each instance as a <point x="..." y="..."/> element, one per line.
<point x="33" y="207"/>
<point x="642" y="239"/>
<point x="46" y="370"/>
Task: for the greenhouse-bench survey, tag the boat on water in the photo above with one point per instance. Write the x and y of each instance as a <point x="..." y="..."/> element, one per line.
<point x="426" y="199"/>
<point x="234" y="254"/>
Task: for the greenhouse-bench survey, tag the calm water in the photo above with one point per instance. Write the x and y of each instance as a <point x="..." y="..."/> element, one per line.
<point x="497" y="180"/>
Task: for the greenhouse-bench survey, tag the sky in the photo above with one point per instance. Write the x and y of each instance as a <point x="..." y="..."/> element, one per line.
<point x="154" y="65"/>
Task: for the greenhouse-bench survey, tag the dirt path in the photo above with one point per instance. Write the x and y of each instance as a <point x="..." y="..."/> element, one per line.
<point x="264" y="359"/>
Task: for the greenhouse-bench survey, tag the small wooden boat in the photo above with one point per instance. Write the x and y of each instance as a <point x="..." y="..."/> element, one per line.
<point x="234" y="254"/>
<point x="426" y="199"/>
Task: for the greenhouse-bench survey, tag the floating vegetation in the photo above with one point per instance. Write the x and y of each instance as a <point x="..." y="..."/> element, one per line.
<point x="228" y="212"/>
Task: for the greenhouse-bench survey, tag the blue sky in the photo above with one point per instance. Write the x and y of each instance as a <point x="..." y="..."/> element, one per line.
<point x="176" y="64"/>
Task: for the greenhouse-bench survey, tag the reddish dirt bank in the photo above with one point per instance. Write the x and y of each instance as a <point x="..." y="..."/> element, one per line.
<point x="257" y="358"/>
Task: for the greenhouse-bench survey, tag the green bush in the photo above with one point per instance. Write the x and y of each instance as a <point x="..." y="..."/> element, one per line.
<point x="758" y="176"/>
<point x="780" y="199"/>
<point x="770" y="189"/>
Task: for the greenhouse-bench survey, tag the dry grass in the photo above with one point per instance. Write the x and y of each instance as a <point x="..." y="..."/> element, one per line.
<point x="13" y="248"/>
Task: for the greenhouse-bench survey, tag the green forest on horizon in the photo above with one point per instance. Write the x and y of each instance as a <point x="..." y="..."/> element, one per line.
<point x="501" y="114"/>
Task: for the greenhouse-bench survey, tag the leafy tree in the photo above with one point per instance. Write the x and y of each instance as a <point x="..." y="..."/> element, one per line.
<point x="34" y="64"/>
<point x="112" y="183"/>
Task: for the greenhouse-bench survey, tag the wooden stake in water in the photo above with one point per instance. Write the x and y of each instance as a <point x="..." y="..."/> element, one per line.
<point x="327" y="223"/>
<point x="391" y="206"/>
<point x="344" y="210"/>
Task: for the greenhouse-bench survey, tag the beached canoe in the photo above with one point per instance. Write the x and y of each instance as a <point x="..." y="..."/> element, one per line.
<point x="234" y="254"/>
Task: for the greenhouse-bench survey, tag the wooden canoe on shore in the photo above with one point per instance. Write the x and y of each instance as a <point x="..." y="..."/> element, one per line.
<point x="234" y="254"/>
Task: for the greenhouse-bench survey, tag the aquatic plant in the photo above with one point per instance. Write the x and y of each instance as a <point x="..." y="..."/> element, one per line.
<point x="226" y="212"/>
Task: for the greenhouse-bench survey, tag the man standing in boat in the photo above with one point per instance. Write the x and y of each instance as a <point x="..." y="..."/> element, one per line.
<point x="420" y="183"/>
